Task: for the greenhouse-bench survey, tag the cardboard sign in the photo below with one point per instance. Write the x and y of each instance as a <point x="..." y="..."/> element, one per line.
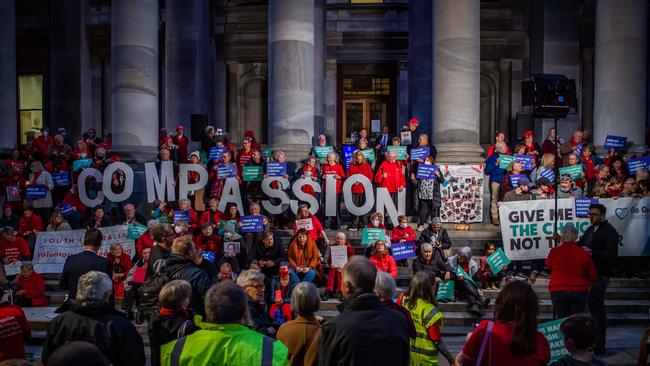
<point x="403" y="250"/>
<point x="371" y="235"/>
<point x="505" y="160"/>
<point x="135" y="231"/>
<point x="226" y="170"/>
<point x="426" y="171"/>
<point x="400" y="151"/>
<point x="419" y="153"/>
<point x="460" y="272"/>
<point x="306" y="224"/>
<point x="445" y="290"/>
<point x="554" y="337"/>
<point x="369" y="154"/>
<point x="252" y="173"/>
<point x="548" y="174"/>
<point x="13" y="268"/>
<point x="231" y="247"/>
<point x="182" y="216"/>
<point x="36" y="192"/>
<point x="375" y="125"/>
<point x="61" y="179"/>
<point x="322" y="151"/>
<point x="406" y="138"/>
<point x="339" y="255"/>
<point x="582" y="206"/>
<point x="81" y="164"/>
<point x="514" y="179"/>
<point x="276" y="169"/>
<point x="527" y="161"/>
<point x="497" y="261"/>
<point x="252" y="224"/>
<point x="216" y="152"/>
<point x="348" y="152"/>
<point x="64" y="209"/>
<point x="575" y="171"/>
<point x="614" y="142"/>
<point x="13" y="194"/>
<point x="635" y="164"/>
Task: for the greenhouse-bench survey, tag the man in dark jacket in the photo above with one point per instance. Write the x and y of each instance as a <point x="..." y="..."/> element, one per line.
<point x="601" y="240"/>
<point x="258" y="315"/>
<point x="163" y="234"/>
<point x="364" y="333"/>
<point x="130" y="216"/>
<point x="182" y="261"/>
<point x="436" y="235"/>
<point x="79" y="264"/>
<point x="432" y="260"/>
<point x="90" y="317"/>
<point x="268" y="254"/>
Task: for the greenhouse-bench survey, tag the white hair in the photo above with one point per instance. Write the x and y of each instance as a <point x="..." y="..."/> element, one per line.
<point x="93" y="286"/>
<point x="384" y="285"/>
<point x="569" y="233"/>
<point x="341" y="234"/>
<point x="248" y="278"/>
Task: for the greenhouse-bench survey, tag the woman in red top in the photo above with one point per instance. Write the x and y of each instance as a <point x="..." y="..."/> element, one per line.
<point x="588" y="165"/>
<point x="185" y="206"/>
<point x="514" y="336"/>
<point x="121" y="266"/>
<point x="335" y="170"/>
<point x="309" y="171"/>
<point x="531" y="147"/>
<point x="208" y="240"/>
<point x="390" y="176"/>
<point x="334" y="278"/>
<point x="81" y="152"/>
<point x="244" y="155"/>
<point x="29" y="223"/>
<point x="146" y="240"/>
<point x="30" y="287"/>
<point x="359" y="166"/>
<point x="180" y="140"/>
<point x="316" y="231"/>
<point x="403" y="232"/>
<point x="214" y="181"/>
<point x="79" y="210"/>
<point x="211" y="215"/>
<point x="382" y="260"/>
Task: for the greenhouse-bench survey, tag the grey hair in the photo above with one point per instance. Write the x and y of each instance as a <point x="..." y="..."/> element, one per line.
<point x="360" y="273"/>
<point x="499" y="144"/>
<point x="225" y="303"/>
<point x="26" y="265"/>
<point x="248" y="278"/>
<point x="93" y="286"/>
<point x="389" y="153"/>
<point x="304" y="299"/>
<point x="465" y="252"/>
<point x="336" y="157"/>
<point x="426" y="247"/>
<point x="569" y="233"/>
<point x="185" y="200"/>
<point x="385" y="285"/>
<point x="277" y="154"/>
<point x="341" y="234"/>
<point x="152" y="223"/>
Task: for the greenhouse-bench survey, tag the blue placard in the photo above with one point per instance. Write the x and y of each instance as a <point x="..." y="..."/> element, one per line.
<point x="426" y="171"/>
<point x="514" y="179"/>
<point x="36" y="192"/>
<point x="252" y="224"/>
<point x="61" y="179"/>
<point x="216" y="152"/>
<point x="348" y="152"/>
<point x="527" y="161"/>
<point x="403" y="250"/>
<point x="64" y="208"/>
<point x="226" y="170"/>
<point x="635" y="164"/>
<point x="276" y="169"/>
<point x="548" y="174"/>
<point x="81" y="164"/>
<point x="615" y="142"/>
<point x="419" y="153"/>
<point x="209" y="256"/>
<point x="582" y="206"/>
<point x="181" y="216"/>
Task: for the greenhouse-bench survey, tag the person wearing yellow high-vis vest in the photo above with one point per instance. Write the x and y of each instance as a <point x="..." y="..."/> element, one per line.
<point x="223" y="339"/>
<point x="420" y="302"/>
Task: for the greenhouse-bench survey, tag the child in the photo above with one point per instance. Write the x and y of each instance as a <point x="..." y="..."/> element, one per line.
<point x="579" y="335"/>
<point x="488" y="279"/>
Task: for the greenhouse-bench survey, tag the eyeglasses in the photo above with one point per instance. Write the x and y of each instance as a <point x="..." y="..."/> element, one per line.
<point x="258" y="287"/>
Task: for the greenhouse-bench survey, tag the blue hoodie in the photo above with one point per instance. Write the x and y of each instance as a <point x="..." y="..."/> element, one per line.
<point x="492" y="169"/>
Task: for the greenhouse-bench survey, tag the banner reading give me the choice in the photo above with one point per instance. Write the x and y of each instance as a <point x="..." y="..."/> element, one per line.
<point x="527" y="226"/>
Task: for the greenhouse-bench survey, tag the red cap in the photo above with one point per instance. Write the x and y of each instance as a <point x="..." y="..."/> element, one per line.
<point x="249" y="134"/>
<point x="116" y="157"/>
<point x="414" y="121"/>
<point x="180" y="127"/>
<point x="528" y="133"/>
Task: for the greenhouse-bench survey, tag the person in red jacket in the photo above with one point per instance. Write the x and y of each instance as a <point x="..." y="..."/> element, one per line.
<point x="180" y="140"/>
<point x="12" y="248"/>
<point x="121" y="266"/>
<point x="30" y="224"/>
<point x="359" y="166"/>
<point x="30" y="287"/>
<point x="185" y="206"/>
<point x="208" y="240"/>
<point x="244" y="154"/>
<point x="211" y="215"/>
<point x="572" y="273"/>
<point x="42" y="142"/>
<point x="334" y="278"/>
<point x="403" y="232"/>
<point x="315" y="230"/>
<point x="17" y="182"/>
<point x="146" y="240"/>
<point x="500" y="137"/>
<point x="390" y="176"/>
<point x="335" y="170"/>
<point x="14" y="330"/>
<point x="382" y="260"/>
<point x="309" y="171"/>
<point x="79" y="210"/>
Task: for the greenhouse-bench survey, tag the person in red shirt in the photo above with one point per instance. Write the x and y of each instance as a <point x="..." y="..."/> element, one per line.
<point x="514" y="339"/>
<point x="211" y="215"/>
<point x="382" y="260"/>
<point x="316" y="231"/>
<point x="208" y="240"/>
<point x="185" y="206"/>
<point x="15" y="179"/>
<point x="333" y="169"/>
<point x="532" y="148"/>
<point x="14" y="330"/>
<point x="12" y="247"/>
<point x="30" y="224"/>
<point x="146" y="240"/>
<point x="588" y="165"/>
<point x="309" y="171"/>
<point x="42" y="142"/>
<point x="180" y="140"/>
<point x="377" y="222"/>
<point x="500" y="137"/>
<point x="121" y="266"/>
<point x="79" y="210"/>
<point x="254" y="144"/>
<point x="334" y="278"/>
<point x="30" y="287"/>
<point x="390" y="176"/>
<point x="403" y="232"/>
<point x="244" y="154"/>
<point x="359" y="166"/>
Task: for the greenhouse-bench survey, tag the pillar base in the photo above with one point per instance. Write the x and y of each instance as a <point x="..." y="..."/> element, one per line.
<point x="293" y="152"/>
<point x="136" y="154"/>
<point x="459" y="152"/>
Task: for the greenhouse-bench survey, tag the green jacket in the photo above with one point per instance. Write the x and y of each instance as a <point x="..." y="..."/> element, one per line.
<point x="224" y="344"/>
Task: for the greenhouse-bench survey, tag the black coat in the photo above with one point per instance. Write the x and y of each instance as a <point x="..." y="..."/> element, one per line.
<point x="195" y="276"/>
<point x="99" y="324"/>
<point x="166" y="328"/>
<point x="78" y="265"/>
<point x="427" y="237"/>
<point x="259" y="317"/>
<point x="275" y="253"/>
<point x="437" y="267"/>
<point x="604" y="247"/>
<point x="365" y="333"/>
<point x="157" y="253"/>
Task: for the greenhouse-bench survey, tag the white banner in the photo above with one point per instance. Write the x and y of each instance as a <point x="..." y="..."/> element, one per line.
<point x="527" y="226"/>
<point x="53" y="247"/>
<point x="462" y="193"/>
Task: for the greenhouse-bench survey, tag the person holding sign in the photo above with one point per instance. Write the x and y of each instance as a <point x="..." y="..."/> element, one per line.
<point x="420" y="302"/>
<point x="515" y="168"/>
<point x="244" y="154"/>
<point x="428" y="193"/>
<point x="254" y="186"/>
<point x="359" y="166"/>
<point x="382" y="260"/>
<point x="336" y="267"/>
<point x="335" y="170"/>
<point x="490" y="280"/>
<point x="253" y="236"/>
<point x="304" y="257"/>
<point x="186" y="213"/>
<point x="321" y="149"/>
<point x="305" y="220"/>
<point x="39" y="177"/>
<point x="279" y="295"/>
<point x="466" y="278"/>
<point x="573" y="146"/>
<point x="532" y="148"/>
<point x="575" y="170"/>
<point x="432" y="263"/>
<point x="216" y="178"/>
<point x="567" y="189"/>
<point x="309" y="171"/>
<point x="30" y="287"/>
<point x="13" y="250"/>
<point x="496" y="174"/>
<point x="390" y="176"/>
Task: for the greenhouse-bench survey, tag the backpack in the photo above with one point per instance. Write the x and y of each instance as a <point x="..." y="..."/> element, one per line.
<point x="151" y="286"/>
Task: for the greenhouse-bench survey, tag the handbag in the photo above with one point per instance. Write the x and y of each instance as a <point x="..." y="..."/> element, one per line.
<point x="487" y="337"/>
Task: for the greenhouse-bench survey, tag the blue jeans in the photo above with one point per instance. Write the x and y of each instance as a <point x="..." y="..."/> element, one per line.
<point x="307" y="277"/>
<point x="567" y="303"/>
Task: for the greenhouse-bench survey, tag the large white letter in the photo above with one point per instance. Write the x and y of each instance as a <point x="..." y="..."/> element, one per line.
<point x="184" y="187"/>
<point x="305" y="197"/>
<point x="275" y="193"/>
<point x="128" y="182"/>
<point x="384" y="201"/>
<point x="347" y="195"/>
<point x="231" y="194"/>
<point x="330" y="195"/>
<point x="81" y="185"/>
<point x="158" y="185"/>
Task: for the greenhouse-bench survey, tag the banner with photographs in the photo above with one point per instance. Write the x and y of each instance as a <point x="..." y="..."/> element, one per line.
<point x="462" y="193"/>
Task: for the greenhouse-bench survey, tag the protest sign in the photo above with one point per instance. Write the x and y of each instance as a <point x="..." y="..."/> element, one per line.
<point x="419" y="153"/>
<point x="81" y="164"/>
<point x="181" y="216"/>
<point x="64" y="209"/>
<point x="209" y="256"/>
<point x="635" y="164"/>
<point x="375" y="125"/>
<point x="403" y="250"/>
<point x="527" y="161"/>
<point x="228" y="170"/>
<point x="505" y="160"/>
<point x="13" y="268"/>
<point x="582" y="206"/>
<point x="252" y="173"/>
<point x="369" y="154"/>
<point x="216" y="152"/>
<point x="426" y="171"/>
<point x="348" y="151"/>
<point x="13" y="194"/>
<point x="252" y="224"/>
<point x="53" y="247"/>
<point x="306" y="224"/>
<point x="614" y="142"/>
<point x="227" y="225"/>
<point x="36" y="192"/>
<point x="400" y="151"/>
<point x="445" y="290"/>
<point x="322" y="151"/>
<point x="575" y="171"/>
<point x="61" y="179"/>
<point x="460" y="272"/>
<point x="135" y="231"/>
<point x="339" y="255"/>
<point x="548" y="174"/>
<point x="231" y="247"/>
<point x="371" y="235"/>
<point x="276" y="169"/>
<point x="514" y="179"/>
<point x="497" y="261"/>
<point x="554" y="337"/>
<point x="462" y="193"/>
<point x="405" y="137"/>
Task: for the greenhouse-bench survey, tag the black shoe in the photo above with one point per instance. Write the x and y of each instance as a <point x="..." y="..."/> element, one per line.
<point x="485" y="304"/>
<point x="139" y="318"/>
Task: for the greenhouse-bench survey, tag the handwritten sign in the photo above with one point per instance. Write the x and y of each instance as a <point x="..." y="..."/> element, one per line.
<point x="575" y="171"/>
<point x="419" y="153"/>
<point x="36" y="192"/>
<point x="216" y="152"/>
<point x="582" y="206"/>
<point x="182" y="216"/>
<point x="505" y="160"/>
<point x="369" y="154"/>
<point x="426" y="171"/>
<point x="252" y="224"/>
<point x="371" y="235"/>
<point x="614" y="142"/>
<point x="226" y="170"/>
<point x="403" y="250"/>
<point x="61" y="179"/>
<point x="322" y="151"/>
<point x="276" y="169"/>
<point x="81" y="164"/>
<point x="514" y="179"/>
<point x="252" y="173"/>
<point x="135" y="231"/>
<point x="400" y="151"/>
<point x="339" y="255"/>
<point x="306" y="224"/>
<point x="554" y="337"/>
<point x="13" y="268"/>
<point x="445" y="290"/>
<point x="527" y="161"/>
<point x="497" y="261"/>
<point x="406" y="137"/>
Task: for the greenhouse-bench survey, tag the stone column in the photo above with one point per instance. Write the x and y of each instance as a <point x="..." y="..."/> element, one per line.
<point x="420" y="82"/>
<point x="330" y="100"/>
<point x="621" y="69"/>
<point x="587" y="92"/>
<point x="505" y="74"/>
<point x="134" y="76"/>
<point x="319" y="67"/>
<point x="233" y="127"/>
<point x="291" y="79"/>
<point x="457" y="80"/>
<point x="8" y="100"/>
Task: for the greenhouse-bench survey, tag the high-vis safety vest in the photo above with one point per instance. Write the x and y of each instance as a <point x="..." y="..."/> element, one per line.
<point x="224" y="344"/>
<point x="423" y="351"/>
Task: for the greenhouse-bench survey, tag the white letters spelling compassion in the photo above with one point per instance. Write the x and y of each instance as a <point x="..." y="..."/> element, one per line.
<point x="161" y="185"/>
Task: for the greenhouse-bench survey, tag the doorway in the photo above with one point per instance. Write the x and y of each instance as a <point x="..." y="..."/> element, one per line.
<point x="367" y="113"/>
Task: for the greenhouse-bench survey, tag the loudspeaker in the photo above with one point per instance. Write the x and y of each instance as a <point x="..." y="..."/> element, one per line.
<point x="198" y="123"/>
<point x="550" y="95"/>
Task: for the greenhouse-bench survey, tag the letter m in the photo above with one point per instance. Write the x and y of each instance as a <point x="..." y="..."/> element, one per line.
<point x="158" y="185"/>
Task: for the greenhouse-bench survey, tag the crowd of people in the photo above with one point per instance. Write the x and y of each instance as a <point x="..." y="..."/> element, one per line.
<point x="203" y="285"/>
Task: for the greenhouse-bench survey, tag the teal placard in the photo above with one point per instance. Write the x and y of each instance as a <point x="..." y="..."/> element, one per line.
<point x="268" y="153"/>
<point x="252" y="173"/>
<point x="400" y="151"/>
<point x="445" y="290"/>
<point x="322" y="151"/>
<point x="554" y="337"/>
<point x="575" y="171"/>
<point x="371" y="235"/>
<point x="369" y="154"/>
<point x="505" y="160"/>
<point x="461" y="272"/>
<point x="135" y="231"/>
<point x="497" y="260"/>
<point x="81" y="164"/>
